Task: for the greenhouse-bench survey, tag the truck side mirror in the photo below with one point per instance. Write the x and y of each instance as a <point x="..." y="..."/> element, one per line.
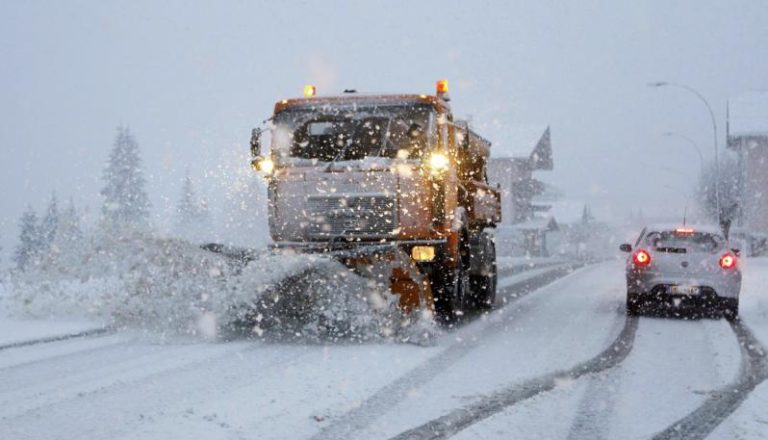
<point x="465" y="140"/>
<point x="626" y="247"/>
<point x="255" y="142"/>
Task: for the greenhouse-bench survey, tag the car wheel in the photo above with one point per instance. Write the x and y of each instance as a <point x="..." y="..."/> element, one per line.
<point x="730" y="308"/>
<point x="633" y="306"/>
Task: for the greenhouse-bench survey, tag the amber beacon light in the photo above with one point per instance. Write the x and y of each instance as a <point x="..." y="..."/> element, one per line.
<point x="442" y="86"/>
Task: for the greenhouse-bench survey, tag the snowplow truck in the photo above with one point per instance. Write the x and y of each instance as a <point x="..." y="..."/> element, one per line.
<point x="393" y="187"/>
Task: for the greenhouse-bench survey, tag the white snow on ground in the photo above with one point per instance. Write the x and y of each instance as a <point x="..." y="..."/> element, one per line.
<point x="750" y="420"/>
<point x="139" y="390"/>
<point x="560" y="325"/>
<point x="668" y="373"/>
<point x="671" y="369"/>
<point x="127" y="386"/>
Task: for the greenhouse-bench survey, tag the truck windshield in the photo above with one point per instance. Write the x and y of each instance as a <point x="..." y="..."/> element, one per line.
<point x="352" y="132"/>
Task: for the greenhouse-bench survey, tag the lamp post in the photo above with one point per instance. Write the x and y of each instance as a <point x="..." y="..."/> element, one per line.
<point x="714" y="130"/>
<point x="692" y="143"/>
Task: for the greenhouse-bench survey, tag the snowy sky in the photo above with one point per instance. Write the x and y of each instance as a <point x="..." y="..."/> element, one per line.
<point x="192" y="78"/>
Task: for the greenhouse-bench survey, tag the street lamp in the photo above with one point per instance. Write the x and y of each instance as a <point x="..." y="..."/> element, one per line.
<point x="691" y="142"/>
<point x="714" y="130"/>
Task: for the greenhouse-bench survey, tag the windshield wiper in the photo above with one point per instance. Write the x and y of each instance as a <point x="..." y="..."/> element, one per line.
<point x="341" y="153"/>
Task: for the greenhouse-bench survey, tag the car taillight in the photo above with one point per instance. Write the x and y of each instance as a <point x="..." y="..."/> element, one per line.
<point x="728" y="261"/>
<point x="641" y="258"/>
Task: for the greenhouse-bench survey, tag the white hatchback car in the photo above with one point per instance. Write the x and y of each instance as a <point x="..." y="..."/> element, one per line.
<point x="679" y="268"/>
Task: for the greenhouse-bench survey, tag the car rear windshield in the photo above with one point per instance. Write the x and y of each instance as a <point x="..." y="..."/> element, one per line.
<point x="676" y="242"/>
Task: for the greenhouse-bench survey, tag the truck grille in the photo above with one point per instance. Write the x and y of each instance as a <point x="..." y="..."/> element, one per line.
<point x="364" y="216"/>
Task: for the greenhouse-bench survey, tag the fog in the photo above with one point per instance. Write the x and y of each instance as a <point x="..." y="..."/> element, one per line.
<point x="191" y="78"/>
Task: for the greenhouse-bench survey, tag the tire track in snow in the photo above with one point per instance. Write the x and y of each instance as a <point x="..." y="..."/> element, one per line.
<point x="723" y="402"/>
<point x="31" y="356"/>
<point x="92" y="332"/>
<point x="390" y="395"/>
<point x="461" y="418"/>
<point x="596" y="406"/>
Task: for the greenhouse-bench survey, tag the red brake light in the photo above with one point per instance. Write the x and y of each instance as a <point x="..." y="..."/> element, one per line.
<point x="641" y="258"/>
<point x="728" y="261"/>
<point x="684" y="231"/>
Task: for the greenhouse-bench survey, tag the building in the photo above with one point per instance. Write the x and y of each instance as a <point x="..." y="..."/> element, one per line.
<point x="513" y="173"/>
<point x="748" y="137"/>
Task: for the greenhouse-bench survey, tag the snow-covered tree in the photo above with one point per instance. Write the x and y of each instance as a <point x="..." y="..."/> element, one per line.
<point x="244" y="217"/>
<point x="69" y="234"/>
<point x="50" y="222"/>
<point x="125" y="199"/>
<point x="31" y="242"/>
<point x="728" y="186"/>
<point x="192" y="214"/>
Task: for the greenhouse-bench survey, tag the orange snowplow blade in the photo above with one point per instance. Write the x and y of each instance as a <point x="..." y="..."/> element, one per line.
<point x="410" y="292"/>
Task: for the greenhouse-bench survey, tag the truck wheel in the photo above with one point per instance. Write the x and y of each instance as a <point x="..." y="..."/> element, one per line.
<point x="483" y="287"/>
<point x="446" y="289"/>
<point x="483" y="291"/>
<point x="451" y="287"/>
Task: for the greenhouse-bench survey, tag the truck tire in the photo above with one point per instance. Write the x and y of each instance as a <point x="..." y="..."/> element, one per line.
<point x="446" y="290"/>
<point x="451" y="286"/>
<point x="483" y="287"/>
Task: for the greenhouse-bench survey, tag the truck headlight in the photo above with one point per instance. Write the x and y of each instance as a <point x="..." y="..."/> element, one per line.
<point x="263" y="164"/>
<point x="438" y="163"/>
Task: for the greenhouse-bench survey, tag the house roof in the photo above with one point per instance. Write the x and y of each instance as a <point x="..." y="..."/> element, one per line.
<point x="748" y="114"/>
<point x="537" y="224"/>
<point x="520" y="141"/>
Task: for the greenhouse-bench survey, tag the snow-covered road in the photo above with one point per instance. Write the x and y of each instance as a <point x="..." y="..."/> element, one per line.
<point x="560" y="361"/>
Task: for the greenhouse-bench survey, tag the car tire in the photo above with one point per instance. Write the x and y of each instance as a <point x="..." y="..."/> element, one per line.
<point x="730" y="308"/>
<point x="633" y="306"/>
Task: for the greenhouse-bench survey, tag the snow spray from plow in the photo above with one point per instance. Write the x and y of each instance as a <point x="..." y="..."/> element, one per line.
<point x="171" y="287"/>
<point x="327" y="301"/>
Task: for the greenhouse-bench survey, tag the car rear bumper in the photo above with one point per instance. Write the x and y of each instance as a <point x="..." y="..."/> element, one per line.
<point x="656" y="301"/>
<point x="726" y="285"/>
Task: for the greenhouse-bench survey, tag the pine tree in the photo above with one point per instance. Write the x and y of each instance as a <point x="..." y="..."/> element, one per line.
<point x="68" y="232"/>
<point x="50" y="222"/>
<point x="29" y="250"/>
<point x="192" y="213"/>
<point x="125" y="199"/>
